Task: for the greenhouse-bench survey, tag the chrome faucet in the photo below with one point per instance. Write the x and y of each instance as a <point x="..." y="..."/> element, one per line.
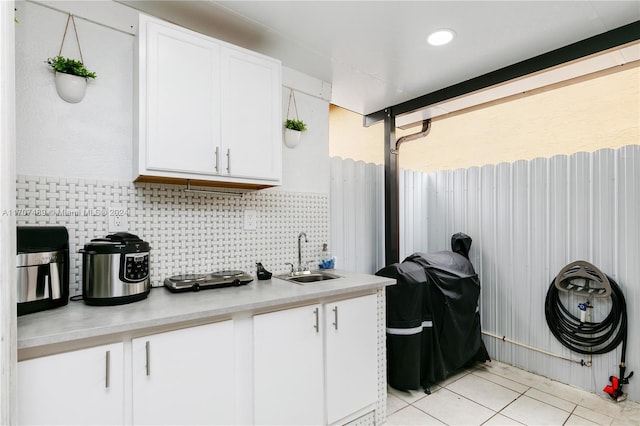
<point x="302" y="234"/>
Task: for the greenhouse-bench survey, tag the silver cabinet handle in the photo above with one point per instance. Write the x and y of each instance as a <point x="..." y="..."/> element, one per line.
<point x="229" y="161"/>
<point x="217" y="159"/>
<point x="107" y="373"/>
<point x="335" y="316"/>
<point x="148" y="348"/>
<point x="317" y="326"/>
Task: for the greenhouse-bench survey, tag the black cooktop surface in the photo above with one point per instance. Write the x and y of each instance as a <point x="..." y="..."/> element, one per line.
<point x="196" y="282"/>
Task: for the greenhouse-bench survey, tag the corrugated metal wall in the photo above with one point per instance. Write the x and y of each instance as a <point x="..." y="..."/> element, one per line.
<point x="356" y="215"/>
<point x="528" y="220"/>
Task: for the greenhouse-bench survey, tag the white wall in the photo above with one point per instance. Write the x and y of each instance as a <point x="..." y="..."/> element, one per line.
<point x="8" y="345"/>
<point x="306" y="167"/>
<point x="93" y="139"/>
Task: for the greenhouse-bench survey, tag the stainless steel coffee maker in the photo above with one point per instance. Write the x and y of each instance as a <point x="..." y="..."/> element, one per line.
<point x="42" y="268"/>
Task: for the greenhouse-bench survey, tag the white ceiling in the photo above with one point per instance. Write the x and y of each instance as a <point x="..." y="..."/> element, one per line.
<point x="375" y="54"/>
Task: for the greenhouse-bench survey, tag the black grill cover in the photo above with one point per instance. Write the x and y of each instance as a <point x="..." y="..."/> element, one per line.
<point x="433" y="324"/>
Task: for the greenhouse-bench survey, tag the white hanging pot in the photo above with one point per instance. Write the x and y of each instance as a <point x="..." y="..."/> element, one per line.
<point x="292" y="137"/>
<point x="70" y="88"/>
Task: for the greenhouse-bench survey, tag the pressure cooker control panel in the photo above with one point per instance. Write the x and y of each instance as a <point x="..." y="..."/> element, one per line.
<point x="136" y="267"/>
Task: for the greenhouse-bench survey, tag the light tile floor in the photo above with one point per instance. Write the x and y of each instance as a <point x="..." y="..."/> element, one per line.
<point x="499" y="394"/>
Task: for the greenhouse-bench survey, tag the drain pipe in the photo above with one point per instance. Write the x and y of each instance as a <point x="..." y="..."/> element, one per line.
<point x="426" y="128"/>
<point x="391" y="183"/>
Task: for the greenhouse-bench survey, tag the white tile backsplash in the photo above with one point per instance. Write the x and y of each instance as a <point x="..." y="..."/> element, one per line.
<point x="188" y="233"/>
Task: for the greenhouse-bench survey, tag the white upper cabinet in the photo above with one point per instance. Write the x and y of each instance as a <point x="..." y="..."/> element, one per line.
<point x="183" y="101"/>
<point x="207" y="111"/>
<point x="251" y="116"/>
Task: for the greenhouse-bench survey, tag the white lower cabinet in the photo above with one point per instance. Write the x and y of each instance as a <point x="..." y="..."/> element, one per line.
<point x="185" y="376"/>
<point x="351" y="356"/>
<point x="179" y="377"/>
<point x="312" y="365"/>
<point x="288" y="372"/>
<point x="83" y="387"/>
<point x="315" y="364"/>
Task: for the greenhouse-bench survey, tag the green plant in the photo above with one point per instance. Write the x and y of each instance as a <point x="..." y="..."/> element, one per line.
<point x="295" y="125"/>
<point x="70" y="66"/>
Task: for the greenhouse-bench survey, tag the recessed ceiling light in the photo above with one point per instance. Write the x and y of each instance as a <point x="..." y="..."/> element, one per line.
<point x="440" y="37"/>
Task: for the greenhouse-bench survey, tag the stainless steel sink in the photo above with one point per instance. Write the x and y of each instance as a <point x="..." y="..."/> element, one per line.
<point x="309" y="277"/>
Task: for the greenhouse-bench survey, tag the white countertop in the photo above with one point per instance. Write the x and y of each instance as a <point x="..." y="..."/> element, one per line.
<point x="78" y="321"/>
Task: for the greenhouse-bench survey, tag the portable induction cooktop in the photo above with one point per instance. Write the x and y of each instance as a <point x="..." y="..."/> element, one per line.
<point x="196" y="282"/>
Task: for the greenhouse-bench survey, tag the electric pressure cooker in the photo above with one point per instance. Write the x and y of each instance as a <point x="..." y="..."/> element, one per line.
<point x="115" y="270"/>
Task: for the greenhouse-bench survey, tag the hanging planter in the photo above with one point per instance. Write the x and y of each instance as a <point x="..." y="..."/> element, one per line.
<point x="70" y="75"/>
<point x="293" y="128"/>
<point x="70" y="78"/>
<point x="293" y="132"/>
<point x="292" y="137"/>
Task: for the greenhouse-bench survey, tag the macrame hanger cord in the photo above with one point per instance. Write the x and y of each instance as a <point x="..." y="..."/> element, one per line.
<point x="292" y="95"/>
<point x="64" y="36"/>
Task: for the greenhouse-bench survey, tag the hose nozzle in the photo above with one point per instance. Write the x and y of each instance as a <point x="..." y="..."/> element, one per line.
<point x="614" y="390"/>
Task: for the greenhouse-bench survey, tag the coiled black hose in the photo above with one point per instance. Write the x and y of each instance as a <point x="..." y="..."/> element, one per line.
<point x="588" y="337"/>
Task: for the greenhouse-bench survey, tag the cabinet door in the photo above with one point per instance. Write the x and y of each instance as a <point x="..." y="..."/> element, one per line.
<point x="251" y="116"/>
<point x="83" y="387"/>
<point x="288" y="370"/>
<point x="351" y="351"/>
<point x="183" y="100"/>
<point x="185" y="376"/>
